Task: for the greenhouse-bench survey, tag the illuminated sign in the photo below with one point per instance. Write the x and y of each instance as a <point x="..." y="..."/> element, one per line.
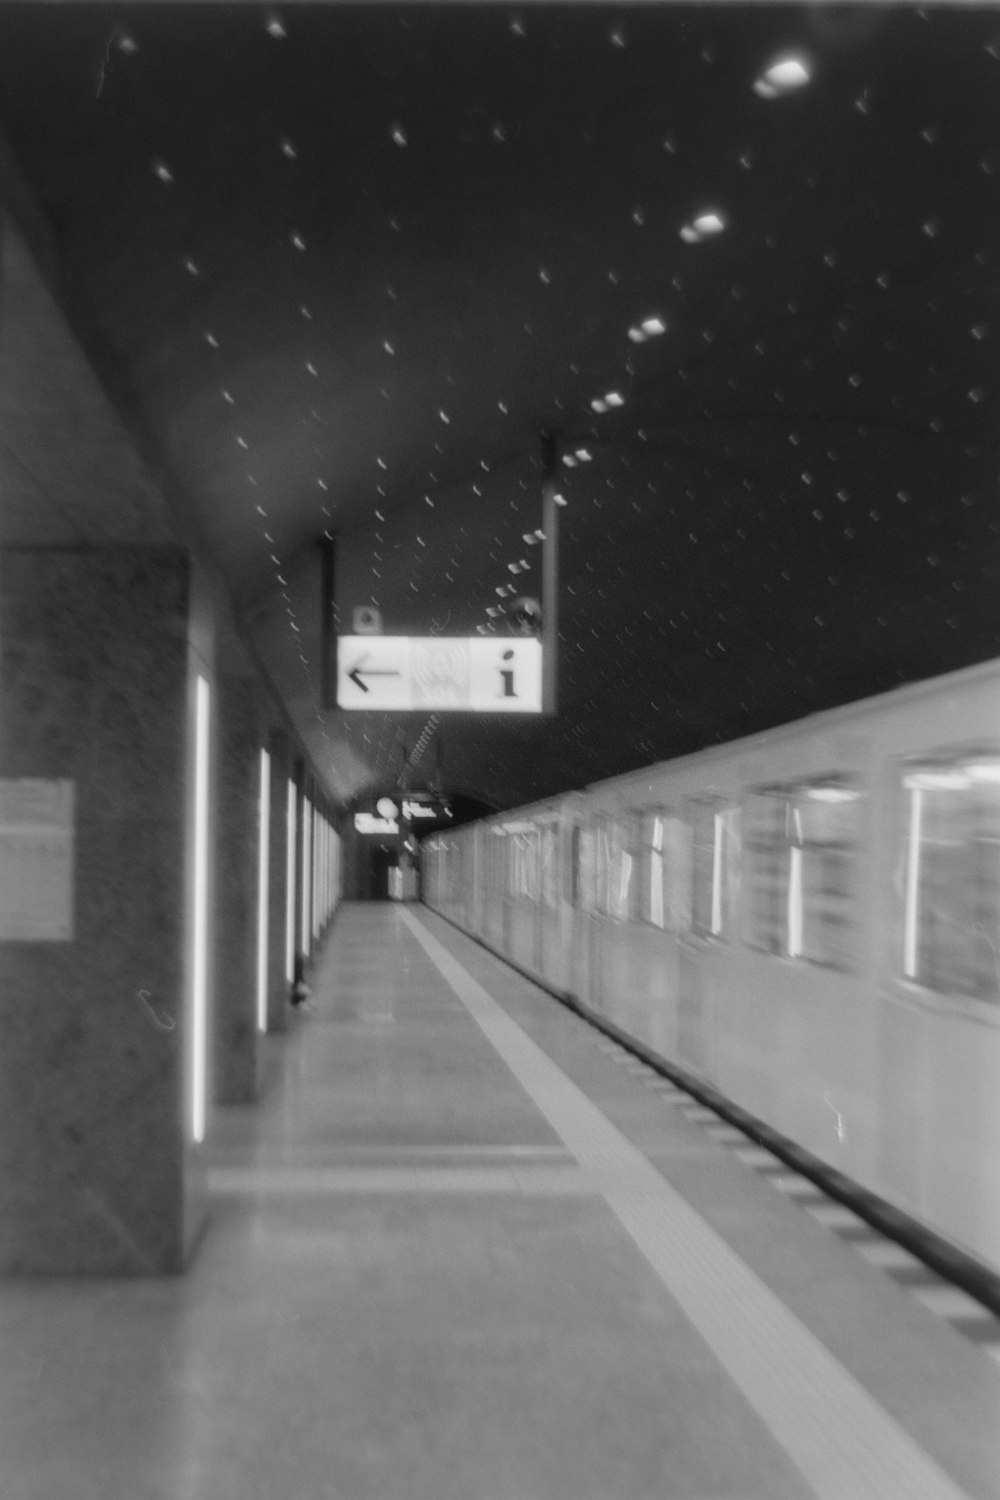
<point x="370" y="823"/>
<point x="477" y="674"/>
<point x="417" y="810"/>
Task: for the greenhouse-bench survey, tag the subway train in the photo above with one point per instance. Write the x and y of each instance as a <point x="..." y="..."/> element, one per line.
<point x="806" y="921"/>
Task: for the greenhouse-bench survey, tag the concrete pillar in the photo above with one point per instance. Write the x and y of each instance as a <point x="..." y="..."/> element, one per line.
<point x="278" y="983"/>
<point x="100" y="657"/>
<point x="237" y="1060"/>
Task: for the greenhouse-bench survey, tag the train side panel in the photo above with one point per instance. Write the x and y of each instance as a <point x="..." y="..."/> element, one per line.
<point x="808" y="920"/>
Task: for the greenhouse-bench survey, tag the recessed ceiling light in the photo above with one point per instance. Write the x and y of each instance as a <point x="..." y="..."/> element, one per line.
<point x="782" y="77"/>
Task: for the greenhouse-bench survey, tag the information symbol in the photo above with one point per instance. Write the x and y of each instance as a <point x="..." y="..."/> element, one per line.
<point x="507" y="674"/>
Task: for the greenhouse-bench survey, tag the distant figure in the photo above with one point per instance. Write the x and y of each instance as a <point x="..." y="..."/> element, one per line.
<point x="301" y="993"/>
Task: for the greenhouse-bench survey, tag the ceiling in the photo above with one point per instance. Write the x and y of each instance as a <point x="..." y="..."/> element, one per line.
<point x="339" y="267"/>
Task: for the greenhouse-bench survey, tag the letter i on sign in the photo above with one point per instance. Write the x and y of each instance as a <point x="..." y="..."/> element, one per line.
<point x="507" y="673"/>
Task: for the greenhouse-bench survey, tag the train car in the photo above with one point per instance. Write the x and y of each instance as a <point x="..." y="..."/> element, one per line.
<point x="807" y="920"/>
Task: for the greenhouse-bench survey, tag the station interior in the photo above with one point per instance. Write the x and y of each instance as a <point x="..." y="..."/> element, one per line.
<point x="452" y="455"/>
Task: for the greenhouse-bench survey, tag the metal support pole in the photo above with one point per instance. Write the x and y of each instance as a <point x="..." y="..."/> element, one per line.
<point x="550" y="573"/>
<point x="327" y="624"/>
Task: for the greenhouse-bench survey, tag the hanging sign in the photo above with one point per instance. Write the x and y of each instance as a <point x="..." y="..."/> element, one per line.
<point x="366" y="822"/>
<point x="477" y="674"/>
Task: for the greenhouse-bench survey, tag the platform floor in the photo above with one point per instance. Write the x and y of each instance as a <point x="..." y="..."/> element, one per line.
<point x="466" y="1249"/>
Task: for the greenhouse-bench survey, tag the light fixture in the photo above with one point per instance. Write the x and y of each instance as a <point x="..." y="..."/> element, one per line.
<point x="200" y="913"/>
<point x="263" y="886"/>
<point x="290" y="833"/>
<point x="782" y="77"/>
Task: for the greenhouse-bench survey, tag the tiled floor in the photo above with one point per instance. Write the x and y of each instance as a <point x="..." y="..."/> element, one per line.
<point x="458" y="1253"/>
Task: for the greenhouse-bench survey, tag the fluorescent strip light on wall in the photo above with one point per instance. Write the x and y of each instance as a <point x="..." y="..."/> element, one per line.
<point x="306" y="873"/>
<point x="199" y="935"/>
<point x="263" y="887"/>
<point x="290" y="885"/>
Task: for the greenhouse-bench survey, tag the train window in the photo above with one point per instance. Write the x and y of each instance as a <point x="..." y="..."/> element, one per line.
<point x="615" y="867"/>
<point x="801" y="845"/>
<point x="588" y="868"/>
<point x="715" y="867"/>
<point x="951" y="896"/>
<point x="526" y="863"/>
<point x="663" y="870"/>
<point x="573" y="859"/>
<point x="766" y="854"/>
<point x="549" y="855"/>
<point x="494" y="863"/>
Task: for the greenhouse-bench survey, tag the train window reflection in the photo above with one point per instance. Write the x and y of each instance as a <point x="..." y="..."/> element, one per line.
<point x="550" y="862"/>
<point x="801" y="852"/>
<point x="664" y="870"/>
<point x="715" y="867"/>
<point x="573" y="874"/>
<point x="951" y="895"/>
<point x="525" y="864"/>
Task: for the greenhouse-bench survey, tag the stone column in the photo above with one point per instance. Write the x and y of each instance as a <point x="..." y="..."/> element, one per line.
<point x="237" y="1056"/>
<point x="98" y="1169"/>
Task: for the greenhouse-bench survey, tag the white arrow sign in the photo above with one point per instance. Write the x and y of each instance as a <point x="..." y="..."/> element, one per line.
<point x="477" y="674"/>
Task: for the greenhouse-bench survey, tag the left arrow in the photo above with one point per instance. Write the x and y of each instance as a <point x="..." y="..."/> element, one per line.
<point x="356" y="672"/>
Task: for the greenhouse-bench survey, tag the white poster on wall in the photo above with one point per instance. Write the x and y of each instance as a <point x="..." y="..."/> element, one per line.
<point x="36" y="860"/>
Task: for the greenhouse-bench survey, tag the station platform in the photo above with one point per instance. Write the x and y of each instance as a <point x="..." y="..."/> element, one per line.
<point x="467" y="1248"/>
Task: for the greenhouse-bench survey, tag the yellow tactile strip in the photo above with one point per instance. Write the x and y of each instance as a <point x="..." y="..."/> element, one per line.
<point x="843" y="1443"/>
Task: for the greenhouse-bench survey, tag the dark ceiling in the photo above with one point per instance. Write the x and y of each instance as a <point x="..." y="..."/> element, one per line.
<point x="340" y="266"/>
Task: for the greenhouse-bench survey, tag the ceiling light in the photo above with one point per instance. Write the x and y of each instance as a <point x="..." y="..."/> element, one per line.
<point x="569" y="460"/>
<point x="614" y="399"/>
<point x="583" y="455"/>
<point x="275" y="26"/>
<point x="653" y="326"/>
<point x="599" y="406"/>
<point x="703" y="227"/>
<point x="782" y="77"/>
